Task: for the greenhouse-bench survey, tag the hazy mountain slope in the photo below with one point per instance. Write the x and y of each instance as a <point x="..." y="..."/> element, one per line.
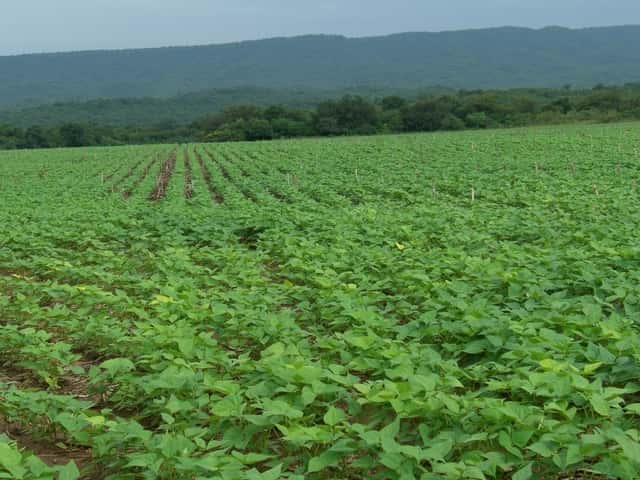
<point x="501" y="57"/>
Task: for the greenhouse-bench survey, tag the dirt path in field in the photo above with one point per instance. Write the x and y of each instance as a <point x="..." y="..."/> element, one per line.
<point x="53" y="449"/>
<point x="216" y="196"/>
<point x="164" y="177"/>
<point x="188" y="176"/>
<point x="46" y="449"/>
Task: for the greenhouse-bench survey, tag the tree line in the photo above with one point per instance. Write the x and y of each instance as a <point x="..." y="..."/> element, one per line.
<point x="354" y="115"/>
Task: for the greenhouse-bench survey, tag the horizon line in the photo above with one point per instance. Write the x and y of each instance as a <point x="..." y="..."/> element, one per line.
<point x="306" y="35"/>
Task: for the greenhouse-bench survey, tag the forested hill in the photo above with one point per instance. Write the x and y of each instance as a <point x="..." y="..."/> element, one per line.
<point x="489" y="58"/>
<point x="181" y="109"/>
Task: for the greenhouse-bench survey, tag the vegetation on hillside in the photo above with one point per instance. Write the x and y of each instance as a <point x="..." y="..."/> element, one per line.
<point x="488" y="58"/>
<point x="186" y="108"/>
<point x="352" y="115"/>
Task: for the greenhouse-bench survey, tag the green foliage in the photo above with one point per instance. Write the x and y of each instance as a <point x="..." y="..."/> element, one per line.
<point x="490" y="58"/>
<point x="349" y="115"/>
<point x="19" y="466"/>
<point x="325" y="308"/>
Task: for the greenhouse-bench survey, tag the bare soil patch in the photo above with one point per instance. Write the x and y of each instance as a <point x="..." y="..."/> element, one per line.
<point x="164" y="177"/>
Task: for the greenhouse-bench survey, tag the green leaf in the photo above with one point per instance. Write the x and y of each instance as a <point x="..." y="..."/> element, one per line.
<point x="600" y="405"/>
<point x="161" y="299"/>
<point x="388" y="437"/>
<point x="11" y="460"/>
<point x="142" y="460"/>
<point x="438" y="451"/>
<point x="549" y="364"/>
<point x="361" y="341"/>
<point x="505" y="441"/>
<point x="325" y="460"/>
<point x="230" y="406"/>
<point x="334" y="416"/>
<point x="308" y="396"/>
<point x="630" y="447"/>
<point x="591" y="368"/>
<point x="391" y="430"/>
<point x="251" y="458"/>
<point x="474" y="473"/>
<point x="69" y="472"/>
<point x="525" y="473"/>
<point x="633" y="408"/>
<point x="273" y="474"/>
<point x="9" y="457"/>
<point x="522" y="437"/>
<point x="96" y="420"/>
<point x="573" y="455"/>
<point x="117" y="366"/>
<point x="568" y="457"/>
<point x="542" y="449"/>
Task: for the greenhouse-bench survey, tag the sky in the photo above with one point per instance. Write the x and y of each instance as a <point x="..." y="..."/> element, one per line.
<point x="28" y="26"/>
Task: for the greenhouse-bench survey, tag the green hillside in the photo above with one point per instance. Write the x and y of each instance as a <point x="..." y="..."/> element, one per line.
<point x="490" y="58"/>
<point x="180" y="109"/>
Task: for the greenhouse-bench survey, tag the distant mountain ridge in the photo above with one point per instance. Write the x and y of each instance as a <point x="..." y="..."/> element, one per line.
<point x="503" y="57"/>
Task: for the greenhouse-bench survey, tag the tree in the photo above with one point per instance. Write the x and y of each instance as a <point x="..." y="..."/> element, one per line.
<point x="258" y="129"/>
<point x="562" y="105"/>
<point x="36" y="137"/>
<point x="229" y="132"/>
<point x="478" y="120"/>
<point x="603" y="100"/>
<point x="522" y="104"/>
<point x="486" y="102"/>
<point x="349" y="115"/>
<point x="451" y="122"/>
<point x="393" y="102"/>
<point x="288" y="128"/>
<point x="427" y="115"/>
<point x="76" y="135"/>
<point x="10" y="137"/>
<point x="275" y="111"/>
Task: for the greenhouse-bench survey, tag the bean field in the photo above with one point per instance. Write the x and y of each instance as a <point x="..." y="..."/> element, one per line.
<point x="437" y="306"/>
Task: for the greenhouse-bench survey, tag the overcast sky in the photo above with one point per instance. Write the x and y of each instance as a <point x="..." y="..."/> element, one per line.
<point x="62" y="25"/>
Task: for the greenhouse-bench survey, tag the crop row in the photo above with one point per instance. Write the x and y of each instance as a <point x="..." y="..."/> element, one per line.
<point x="445" y="306"/>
